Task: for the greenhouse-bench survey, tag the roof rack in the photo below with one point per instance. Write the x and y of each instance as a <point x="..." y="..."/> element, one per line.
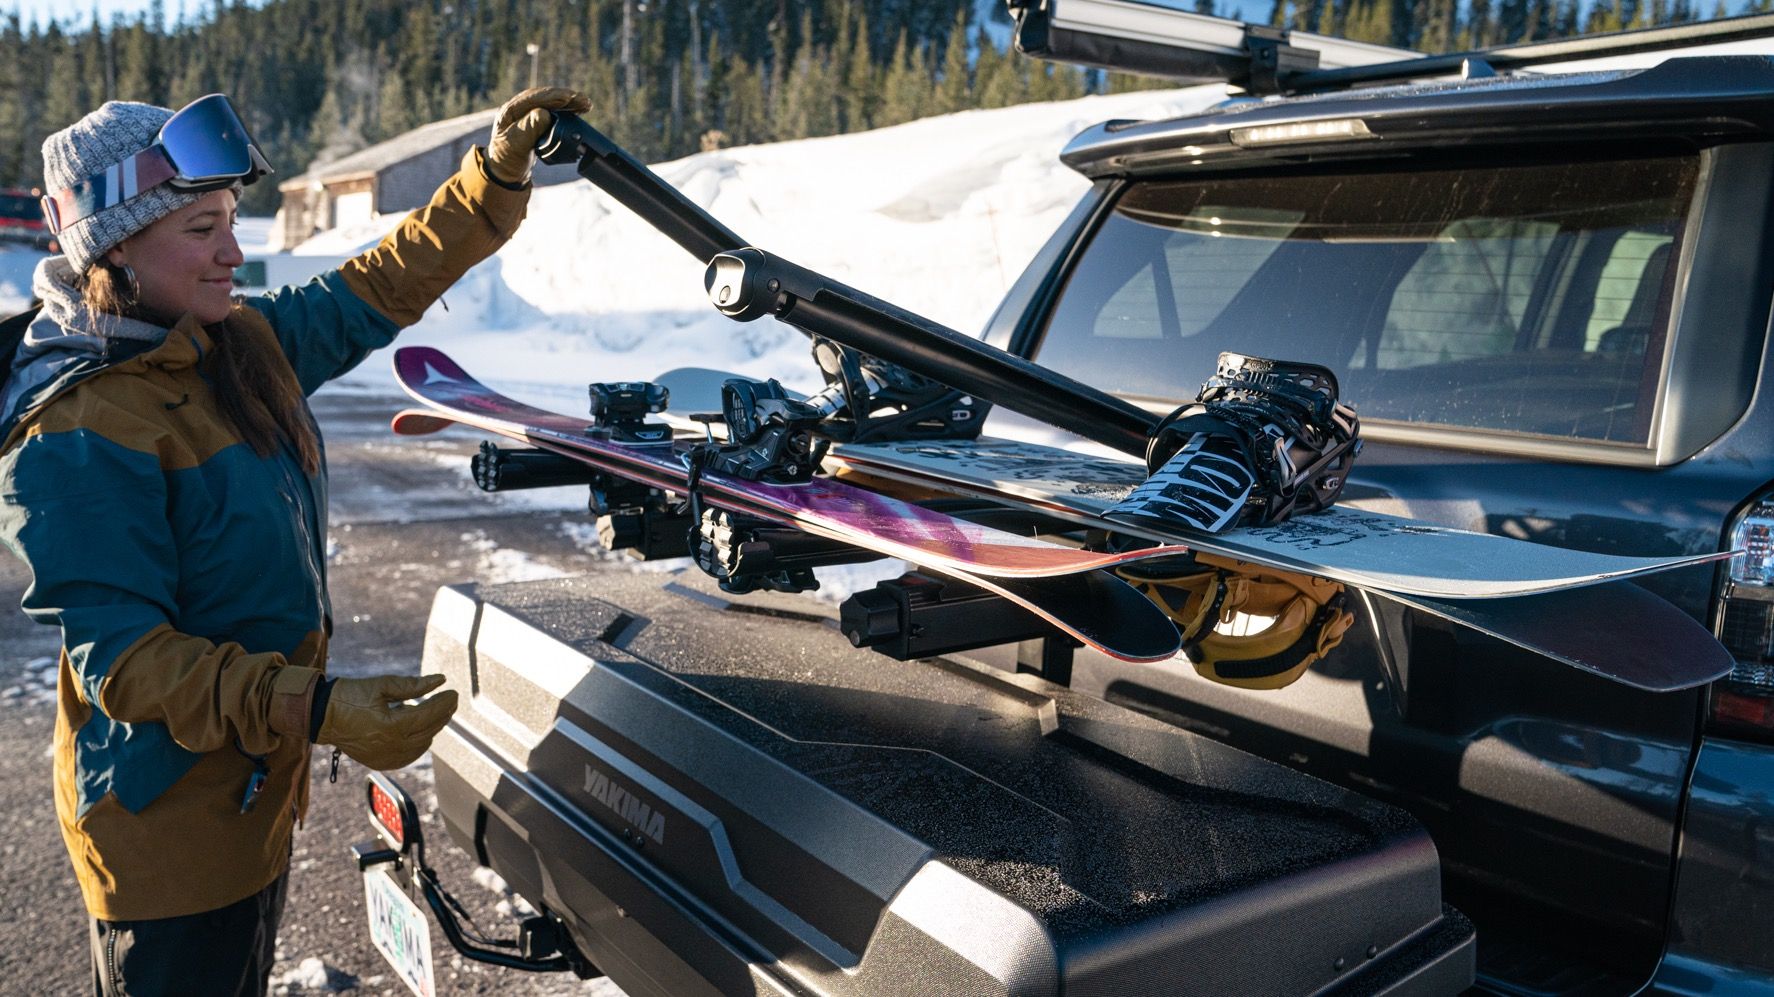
<point x="1504" y="58"/>
<point x="1155" y="38"/>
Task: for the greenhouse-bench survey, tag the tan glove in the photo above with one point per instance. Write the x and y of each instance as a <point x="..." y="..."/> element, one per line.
<point x="521" y="124"/>
<point x="366" y="718"/>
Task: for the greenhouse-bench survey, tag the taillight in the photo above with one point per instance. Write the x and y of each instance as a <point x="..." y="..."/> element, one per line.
<point x="392" y="812"/>
<point x="1744" y="701"/>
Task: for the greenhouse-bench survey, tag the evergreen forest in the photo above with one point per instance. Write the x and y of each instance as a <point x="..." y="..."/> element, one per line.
<point x="319" y="79"/>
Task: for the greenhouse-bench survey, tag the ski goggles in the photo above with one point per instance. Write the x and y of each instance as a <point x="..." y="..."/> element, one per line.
<point x="204" y="147"/>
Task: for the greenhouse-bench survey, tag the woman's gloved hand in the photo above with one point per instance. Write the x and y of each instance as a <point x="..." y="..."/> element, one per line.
<point x="521" y="124"/>
<point x="367" y="719"/>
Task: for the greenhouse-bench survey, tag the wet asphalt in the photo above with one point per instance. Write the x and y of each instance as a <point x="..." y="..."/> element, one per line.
<point x="405" y="520"/>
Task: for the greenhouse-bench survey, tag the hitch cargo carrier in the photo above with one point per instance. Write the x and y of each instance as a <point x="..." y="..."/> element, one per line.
<point x="721" y="797"/>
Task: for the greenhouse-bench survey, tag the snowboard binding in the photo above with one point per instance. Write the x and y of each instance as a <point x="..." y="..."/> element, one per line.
<point x="771" y="437"/>
<point x="1209" y="597"/>
<point x="1263" y="441"/>
<point x="868" y="400"/>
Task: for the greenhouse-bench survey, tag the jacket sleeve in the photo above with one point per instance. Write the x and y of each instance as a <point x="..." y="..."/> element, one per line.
<point x="89" y="519"/>
<point x="330" y="324"/>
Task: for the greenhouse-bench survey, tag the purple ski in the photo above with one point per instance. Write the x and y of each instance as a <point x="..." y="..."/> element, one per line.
<point x="1060" y="584"/>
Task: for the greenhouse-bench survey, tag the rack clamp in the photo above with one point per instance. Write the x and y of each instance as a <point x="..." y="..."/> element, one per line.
<point x="619" y="411"/>
<point x="744" y="553"/>
<point x="919" y="615"/>
<point x="1272" y="60"/>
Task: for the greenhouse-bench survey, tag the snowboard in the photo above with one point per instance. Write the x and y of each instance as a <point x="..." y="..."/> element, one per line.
<point x="1366" y="549"/>
<point x="1062" y="585"/>
<point x="1573" y="606"/>
<point x="1613" y="629"/>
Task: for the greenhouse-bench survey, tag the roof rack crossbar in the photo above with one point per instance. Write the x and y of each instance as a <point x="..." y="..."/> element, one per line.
<point x="1158" y="38"/>
<point x="1161" y="38"/>
<point x="1504" y="58"/>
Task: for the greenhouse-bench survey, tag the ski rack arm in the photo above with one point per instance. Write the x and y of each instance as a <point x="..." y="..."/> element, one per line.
<point x="609" y="167"/>
<point x="747" y="284"/>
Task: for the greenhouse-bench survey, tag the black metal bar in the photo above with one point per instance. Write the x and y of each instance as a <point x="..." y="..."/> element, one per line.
<point x="748" y="283"/>
<point x="918" y="616"/>
<point x="1539" y="53"/>
<point x="502" y="469"/>
<point x="639" y="189"/>
<point x="446" y="919"/>
<point x="970" y="365"/>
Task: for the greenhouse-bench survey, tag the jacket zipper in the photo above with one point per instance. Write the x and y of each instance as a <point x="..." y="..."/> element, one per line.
<point x="111" y="957"/>
<point x="315" y="560"/>
<point x="299" y="513"/>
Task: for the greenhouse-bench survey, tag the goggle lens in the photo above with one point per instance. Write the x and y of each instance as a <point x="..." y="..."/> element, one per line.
<point x="207" y="141"/>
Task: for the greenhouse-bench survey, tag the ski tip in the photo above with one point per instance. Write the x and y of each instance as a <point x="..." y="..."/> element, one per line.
<point x="416" y="366"/>
<point x="412" y="422"/>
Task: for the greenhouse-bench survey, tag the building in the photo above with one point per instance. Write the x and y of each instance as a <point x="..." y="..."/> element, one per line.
<point x="391" y="177"/>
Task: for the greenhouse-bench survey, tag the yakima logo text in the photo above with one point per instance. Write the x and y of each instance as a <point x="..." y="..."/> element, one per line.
<point x="624" y="805"/>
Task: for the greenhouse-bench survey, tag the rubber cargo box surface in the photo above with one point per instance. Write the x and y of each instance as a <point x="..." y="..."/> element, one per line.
<point x="719" y="797"/>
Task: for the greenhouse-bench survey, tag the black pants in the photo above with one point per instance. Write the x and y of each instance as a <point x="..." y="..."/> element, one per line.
<point x="222" y="952"/>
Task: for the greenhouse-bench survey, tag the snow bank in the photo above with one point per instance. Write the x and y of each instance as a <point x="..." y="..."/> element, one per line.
<point x="17" y="263"/>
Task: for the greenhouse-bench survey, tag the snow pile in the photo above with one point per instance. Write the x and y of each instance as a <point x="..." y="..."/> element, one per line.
<point x="17" y="263"/>
<point x="35" y="684"/>
<point x="510" y="905"/>
<point x="938" y="215"/>
<point x="311" y="975"/>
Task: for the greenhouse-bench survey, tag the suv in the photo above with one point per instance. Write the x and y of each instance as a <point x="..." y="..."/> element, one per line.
<point x="1549" y="297"/>
<point x="21" y="219"/>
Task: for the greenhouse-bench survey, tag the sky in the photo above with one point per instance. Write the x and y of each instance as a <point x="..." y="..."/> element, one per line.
<point x="81" y="10"/>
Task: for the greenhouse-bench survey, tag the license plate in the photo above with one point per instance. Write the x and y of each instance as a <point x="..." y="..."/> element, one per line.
<point x="400" y="930"/>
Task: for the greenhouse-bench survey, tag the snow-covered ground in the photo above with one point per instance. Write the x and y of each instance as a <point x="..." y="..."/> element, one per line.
<point x="16" y="265"/>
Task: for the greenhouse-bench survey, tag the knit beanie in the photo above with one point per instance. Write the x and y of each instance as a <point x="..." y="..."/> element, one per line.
<point x="108" y="136"/>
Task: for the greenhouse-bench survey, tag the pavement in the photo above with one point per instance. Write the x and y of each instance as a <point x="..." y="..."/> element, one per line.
<point x="405" y="519"/>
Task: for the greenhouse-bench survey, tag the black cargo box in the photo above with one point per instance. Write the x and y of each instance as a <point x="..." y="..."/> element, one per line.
<point x="723" y="797"/>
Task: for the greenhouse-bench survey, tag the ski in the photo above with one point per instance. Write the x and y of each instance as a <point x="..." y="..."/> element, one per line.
<point x="1062" y="585"/>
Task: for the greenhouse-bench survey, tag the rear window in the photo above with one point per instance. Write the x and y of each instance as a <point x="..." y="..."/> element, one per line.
<point x="1525" y="299"/>
<point x="19" y="206"/>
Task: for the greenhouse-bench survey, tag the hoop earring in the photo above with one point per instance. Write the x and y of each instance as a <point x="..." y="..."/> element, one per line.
<point x="133" y="287"/>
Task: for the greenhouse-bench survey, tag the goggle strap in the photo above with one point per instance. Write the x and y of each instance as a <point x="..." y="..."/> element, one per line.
<point x="119" y="183"/>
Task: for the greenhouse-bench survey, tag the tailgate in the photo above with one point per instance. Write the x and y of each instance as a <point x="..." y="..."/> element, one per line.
<point x="723" y="796"/>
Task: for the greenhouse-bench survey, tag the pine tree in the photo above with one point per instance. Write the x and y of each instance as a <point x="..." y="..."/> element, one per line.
<point x="954" y="91"/>
<point x="862" y="81"/>
<point x="16" y="166"/>
<point x="1481" y="28"/>
<point x="1009" y="82"/>
<point x="894" y="91"/>
<point x="1371" y="21"/>
<point x="747" y="117"/>
<point x="988" y="65"/>
<point x="1512" y="21"/>
<point x="67" y="98"/>
<point x="1604" y="17"/>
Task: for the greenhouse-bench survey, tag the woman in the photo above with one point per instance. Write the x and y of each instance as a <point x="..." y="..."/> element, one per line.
<point x="163" y="478"/>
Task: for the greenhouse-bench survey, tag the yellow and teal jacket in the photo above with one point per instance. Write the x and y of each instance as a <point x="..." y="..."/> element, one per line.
<point x="188" y="574"/>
